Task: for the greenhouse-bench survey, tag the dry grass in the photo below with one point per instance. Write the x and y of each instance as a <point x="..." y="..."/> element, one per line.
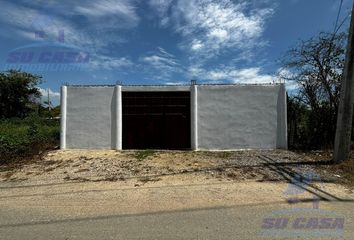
<point x="150" y="166"/>
<point x="345" y="169"/>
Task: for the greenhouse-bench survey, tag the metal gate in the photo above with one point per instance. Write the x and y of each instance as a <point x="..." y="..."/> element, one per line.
<point x="156" y="120"/>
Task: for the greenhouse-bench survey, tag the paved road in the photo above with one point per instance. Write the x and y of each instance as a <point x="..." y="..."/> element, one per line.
<point x="198" y="211"/>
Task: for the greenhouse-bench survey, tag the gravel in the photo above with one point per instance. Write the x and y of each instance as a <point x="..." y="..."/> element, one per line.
<point x="109" y="165"/>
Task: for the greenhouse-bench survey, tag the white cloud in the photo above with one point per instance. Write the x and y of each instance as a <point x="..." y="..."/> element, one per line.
<point x="197" y="45"/>
<point x="162" y="7"/>
<point x="163" y="62"/>
<point x="291" y="85"/>
<point x="105" y="19"/>
<point x="100" y="62"/>
<point x="160" y="62"/>
<point x="251" y="75"/>
<point x="120" y="9"/>
<point x="220" y="34"/>
<point x="26" y="20"/>
<point x="283" y="75"/>
<point x="213" y="26"/>
<point x="53" y="95"/>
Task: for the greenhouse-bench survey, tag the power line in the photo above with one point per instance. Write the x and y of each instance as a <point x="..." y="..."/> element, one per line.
<point x="335" y="28"/>
<point x="338" y="25"/>
<point x="338" y="14"/>
<point x="342" y="22"/>
<point x="345" y="110"/>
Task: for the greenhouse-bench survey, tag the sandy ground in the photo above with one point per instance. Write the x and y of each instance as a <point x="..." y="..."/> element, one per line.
<point x="263" y="172"/>
<point x="145" y="166"/>
<point x="174" y="193"/>
<point x="90" y="210"/>
<point x="163" y="195"/>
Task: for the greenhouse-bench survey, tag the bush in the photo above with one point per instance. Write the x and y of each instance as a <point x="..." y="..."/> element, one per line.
<point x="144" y="154"/>
<point x="25" y="137"/>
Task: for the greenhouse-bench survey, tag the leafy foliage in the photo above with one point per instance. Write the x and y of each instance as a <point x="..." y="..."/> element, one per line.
<point x="316" y="66"/>
<point x="17" y="93"/>
<point x="144" y="154"/>
<point x="24" y="137"/>
<point x="26" y="127"/>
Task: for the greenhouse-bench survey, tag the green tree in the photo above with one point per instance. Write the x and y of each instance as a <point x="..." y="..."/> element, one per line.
<point x="18" y="92"/>
<point x="316" y="66"/>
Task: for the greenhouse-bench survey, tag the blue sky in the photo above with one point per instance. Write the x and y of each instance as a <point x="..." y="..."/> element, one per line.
<point x="157" y="41"/>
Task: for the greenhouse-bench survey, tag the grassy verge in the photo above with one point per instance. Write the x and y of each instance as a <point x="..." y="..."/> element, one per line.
<point x="144" y="154"/>
<point x="345" y="169"/>
<point x="21" y="138"/>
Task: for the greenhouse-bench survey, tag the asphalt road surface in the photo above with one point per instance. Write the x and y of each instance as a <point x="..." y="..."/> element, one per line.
<point x="217" y="210"/>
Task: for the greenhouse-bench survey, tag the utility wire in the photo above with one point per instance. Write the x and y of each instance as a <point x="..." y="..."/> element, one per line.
<point x="342" y="22"/>
<point x="336" y="28"/>
<point x="338" y="14"/>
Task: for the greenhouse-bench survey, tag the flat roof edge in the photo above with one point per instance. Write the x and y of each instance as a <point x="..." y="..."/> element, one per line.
<point x="176" y="85"/>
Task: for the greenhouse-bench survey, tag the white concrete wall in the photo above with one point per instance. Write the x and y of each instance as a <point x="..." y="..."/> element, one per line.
<point x="90" y="118"/>
<point x="282" y="119"/>
<point x="194" y="117"/>
<point x="63" y="108"/>
<point x="223" y="117"/>
<point x="241" y="117"/>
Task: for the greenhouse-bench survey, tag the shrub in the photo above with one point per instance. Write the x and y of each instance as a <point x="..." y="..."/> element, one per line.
<point x="144" y="154"/>
<point x="25" y="137"/>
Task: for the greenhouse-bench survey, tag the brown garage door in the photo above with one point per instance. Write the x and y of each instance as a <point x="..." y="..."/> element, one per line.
<point x="156" y="120"/>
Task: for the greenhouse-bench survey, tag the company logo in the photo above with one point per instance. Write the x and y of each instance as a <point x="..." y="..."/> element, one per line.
<point x="47" y="57"/>
<point x="303" y="222"/>
<point x="49" y="52"/>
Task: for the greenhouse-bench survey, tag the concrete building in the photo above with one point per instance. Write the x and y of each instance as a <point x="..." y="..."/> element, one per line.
<point x="197" y="117"/>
